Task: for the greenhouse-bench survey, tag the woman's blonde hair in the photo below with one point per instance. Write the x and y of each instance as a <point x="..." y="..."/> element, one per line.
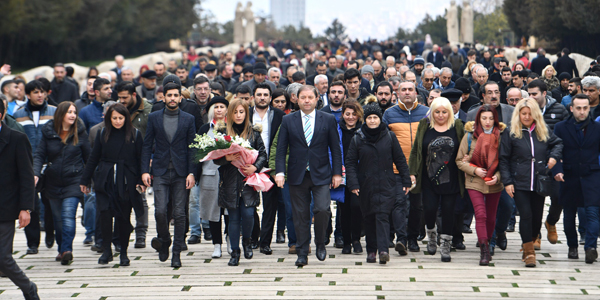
<point x="443" y="103"/>
<point x="546" y="68"/>
<point x="230" y="118"/>
<point x="516" y="127"/>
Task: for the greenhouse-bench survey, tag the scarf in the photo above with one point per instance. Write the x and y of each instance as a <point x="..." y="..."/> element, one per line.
<point x="485" y="154"/>
<point x="34" y="107"/>
<point x="372" y="134"/>
<point x="238" y="128"/>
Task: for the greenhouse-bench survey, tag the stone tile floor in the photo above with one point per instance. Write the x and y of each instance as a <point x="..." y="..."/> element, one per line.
<point x="415" y="276"/>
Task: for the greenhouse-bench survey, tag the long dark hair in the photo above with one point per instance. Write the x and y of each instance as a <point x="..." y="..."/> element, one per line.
<point x="59" y="116"/>
<point x="128" y="127"/>
<point x="482" y="109"/>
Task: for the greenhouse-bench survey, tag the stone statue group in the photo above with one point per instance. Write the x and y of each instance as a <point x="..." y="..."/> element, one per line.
<point x="466" y="24"/>
<point x="244" y="30"/>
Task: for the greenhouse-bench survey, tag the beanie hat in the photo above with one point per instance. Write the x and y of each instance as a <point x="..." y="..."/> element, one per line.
<point x="171" y="78"/>
<point x="370" y="109"/>
<point x="260" y="68"/>
<point x="564" y="75"/>
<point x="463" y="85"/>
<point x="367" y="69"/>
<point x="247" y="69"/>
<point x="419" y="61"/>
<point x="446" y="64"/>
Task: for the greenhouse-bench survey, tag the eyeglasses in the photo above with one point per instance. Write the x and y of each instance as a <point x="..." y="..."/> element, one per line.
<point x="428" y="79"/>
<point x="201" y="89"/>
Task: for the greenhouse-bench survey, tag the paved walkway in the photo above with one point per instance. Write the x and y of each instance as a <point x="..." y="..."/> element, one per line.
<point x="339" y="277"/>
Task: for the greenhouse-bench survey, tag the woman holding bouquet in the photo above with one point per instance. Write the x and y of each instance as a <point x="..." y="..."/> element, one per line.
<point x="478" y="157"/>
<point x="209" y="177"/>
<point x="239" y="199"/>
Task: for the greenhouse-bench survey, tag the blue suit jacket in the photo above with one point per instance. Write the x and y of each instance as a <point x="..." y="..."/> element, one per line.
<point x="325" y="138"/>
<point x="177" y="150"/>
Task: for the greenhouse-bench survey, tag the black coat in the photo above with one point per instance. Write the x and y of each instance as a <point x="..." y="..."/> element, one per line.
<point x="516" y="161"/>
<point x="369" y="167"/>
<point x="232" y="181"/>
<point x="16" y="177"/>
<point x="580" y="164"/>
<point x="538" y="64"/>
<point x="65" y="162"/>
<point x="100" y="166"/>
<point x="555" y="112"/>
<point x="347" y="135"/>
<point x="65" y="91"/>
<point x="567" y="65"/>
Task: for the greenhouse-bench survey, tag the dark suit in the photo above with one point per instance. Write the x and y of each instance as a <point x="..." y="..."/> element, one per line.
<point x="302" y="182"/>
<point x="187" y="105"/>
<point x="270" y="198"/>
<point x="18" y="188"/>
<point x="170" y="182"/>
<point x="439" y="59"/>
<point x="567" y="65"/>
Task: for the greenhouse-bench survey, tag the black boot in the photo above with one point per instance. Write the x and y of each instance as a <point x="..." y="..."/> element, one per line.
<point x="123" y="258"/>
<point x="176" y="260"/>
<point x="107" y="256"/>
<point x="247" y="244"/>
<point x="235" y="258"/>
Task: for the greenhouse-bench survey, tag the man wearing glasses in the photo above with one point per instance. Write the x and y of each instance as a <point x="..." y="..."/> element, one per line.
<point x="491" y="95"/>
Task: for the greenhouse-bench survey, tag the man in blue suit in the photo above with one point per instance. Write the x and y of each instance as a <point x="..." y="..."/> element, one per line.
<point x="171" y="131"/>
<point x="309" y="135"/>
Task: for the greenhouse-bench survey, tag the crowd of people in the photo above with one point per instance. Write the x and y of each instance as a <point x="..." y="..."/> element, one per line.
<point x="412" y="146"/>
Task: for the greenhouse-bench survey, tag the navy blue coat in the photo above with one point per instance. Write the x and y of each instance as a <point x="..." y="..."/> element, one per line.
<point x="580" y="164"/>
<point x="325" y="138"/>
<point x="177" y="150"/>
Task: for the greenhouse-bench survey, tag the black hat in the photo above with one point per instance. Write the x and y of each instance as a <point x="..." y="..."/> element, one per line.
<point x="215" y="100"/>
<point x="370" y="109"/>
<point x="452" y="94"/>
<point x="247" y="69"/>
<point x="564" y="75"/>
<point x="171" y="78"/>
<point x="210" y="67"/>
<point x="149" y="74"/>
<point x="239" y="63"/>
<point x="260" y="68"/>
<point x="463" y="85"/>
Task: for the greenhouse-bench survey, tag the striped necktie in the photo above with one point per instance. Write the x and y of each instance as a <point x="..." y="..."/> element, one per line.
<point x="308" y="130"/>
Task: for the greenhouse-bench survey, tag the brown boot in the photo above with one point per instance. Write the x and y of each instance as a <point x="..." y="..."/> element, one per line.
<point x="537" y="243"/>
<point x="552" y="235"/>
<point x="529" y="255"/>
<point x="484" y="247"/>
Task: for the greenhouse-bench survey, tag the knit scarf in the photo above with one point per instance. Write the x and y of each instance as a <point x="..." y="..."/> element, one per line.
<point x="485" y="154"/>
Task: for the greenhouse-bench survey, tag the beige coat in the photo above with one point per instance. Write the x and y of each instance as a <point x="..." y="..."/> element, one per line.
<point x="472" y="181"/>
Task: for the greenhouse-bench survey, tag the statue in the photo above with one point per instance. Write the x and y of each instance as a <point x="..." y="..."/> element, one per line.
<point x="466" y="24"/>
<point x="250" y="30"/>
<point x="452" y="23"/>
<point x="238" y="25"/>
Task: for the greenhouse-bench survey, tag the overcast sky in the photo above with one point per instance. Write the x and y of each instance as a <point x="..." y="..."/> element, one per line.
<point x="362" y="18"/>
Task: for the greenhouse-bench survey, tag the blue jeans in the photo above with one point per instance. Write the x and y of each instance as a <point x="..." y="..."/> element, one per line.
<point x="89" y="214"/>
<point x="287" y="201"/>
<point x="569" y="213"/>
<point x="64" y="212"/>
<point x="195" y="226"/>
<point x="592" y="214"/>
<point x="242" y="215"/>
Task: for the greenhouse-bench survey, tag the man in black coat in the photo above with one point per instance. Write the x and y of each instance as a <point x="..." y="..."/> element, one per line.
<point x="435" y="57"/>
<point x="309" y="135"/>
<point x="566" y="64"/>
<point x="270" y="119"/>
<point x="171" y="131"/>
<point x="16" y="199"/>
<point x="540" y="62"/>
<point x="62" y="89"/>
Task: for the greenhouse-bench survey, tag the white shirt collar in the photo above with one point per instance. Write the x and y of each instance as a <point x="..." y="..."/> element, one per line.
<point x="312" y="114"/>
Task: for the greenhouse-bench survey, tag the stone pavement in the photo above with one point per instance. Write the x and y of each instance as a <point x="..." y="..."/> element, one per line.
<point x="416" y="275"/>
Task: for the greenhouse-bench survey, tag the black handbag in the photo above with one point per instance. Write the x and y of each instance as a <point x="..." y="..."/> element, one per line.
<point x="543" y="184"/>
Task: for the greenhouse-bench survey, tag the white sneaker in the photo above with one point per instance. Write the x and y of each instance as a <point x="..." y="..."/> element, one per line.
<point x="217" y="252"/>
<point x="228" y="244"/>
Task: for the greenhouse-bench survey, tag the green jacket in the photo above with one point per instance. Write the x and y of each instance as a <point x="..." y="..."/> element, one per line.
<point x="272" y="155"/>
<point x="139" y="118"/>
<point x="415" y="162"/>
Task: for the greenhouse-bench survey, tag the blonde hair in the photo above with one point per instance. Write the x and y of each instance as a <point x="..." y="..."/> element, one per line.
<point x="546" y="68"/>
<point x="444" y="103"/>
<point x="516" y="127"/>
<point x="231" y="111"/>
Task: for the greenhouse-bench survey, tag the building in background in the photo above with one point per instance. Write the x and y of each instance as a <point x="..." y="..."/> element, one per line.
<point x="288" y="12"/>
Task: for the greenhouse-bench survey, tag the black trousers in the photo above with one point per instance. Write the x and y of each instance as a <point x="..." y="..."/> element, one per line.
<point x="270" y="207"/>
<point x="48" y="218"/>
<point x="351" y="218"/>
<point x="122" y="225"/>
<point x="300" y="197"/>
<point x="32" y="231"/>
<point x="415" y="214"/>
<point x="377" y="228"/>
<point x="531" y="211"/>
<point x="431" y="201"/>
<point x="8" y="265"/>
<point x="555" y="207"/>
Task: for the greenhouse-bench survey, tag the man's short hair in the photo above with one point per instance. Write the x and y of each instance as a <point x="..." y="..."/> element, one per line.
<point x="262" y="85"/>
<point x="171" y="86"/>
<point x="243" y="89"/>
<point x="273" y="69"/>
<point x="383" y="83"/>
<point x="321" y="64"/>
<point x="159" y="63"/>
<point x="217" y="86"/>
<point x="5" y="83"/>
<point x="125" y="86"/>
<point x="33" y="85"/>
<point x="351" y="73"/>
<point x="338" y="83"/>
<point x="576" y="81"/>
<point x="308" y="88"/>
<point x="471" y="52"/>
<point x="483" y="88"/>
<point x="60" y="65"/>
<point x="298" y="76"/>
<point x="181" y="67"/>
<point x="538" y="83"/>
<point x="591" y="81"/>
<point x="99" y="83"/>
<point x="2" y="109"/>
<point x="70" y="71"/>
<point x="320" y="77"/>
<point x="506" y="69"/>
<point x="200" y="79"/>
